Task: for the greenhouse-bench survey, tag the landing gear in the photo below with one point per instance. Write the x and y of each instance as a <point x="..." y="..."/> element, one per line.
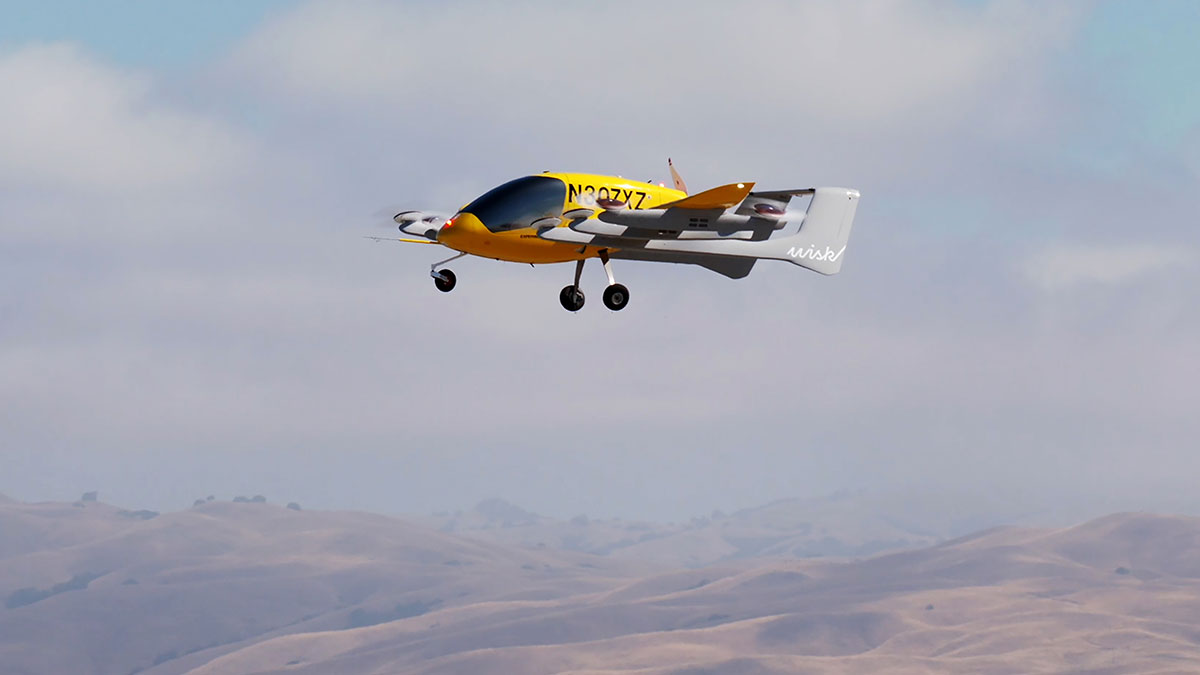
<point x="571" y="298"/>
<point x="616" y="296"/>
<point x="444" y="279"/>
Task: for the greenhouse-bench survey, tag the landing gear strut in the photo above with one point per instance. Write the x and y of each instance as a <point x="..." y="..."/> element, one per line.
<point x="571" y="297"/>
<point x="616" y="296"/>
<point x="444" y="279"/>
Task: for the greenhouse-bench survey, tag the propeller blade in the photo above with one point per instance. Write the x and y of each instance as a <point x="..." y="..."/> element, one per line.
<point x="420" y="228"/>
<point x="679" y="184"/>
<point x="409" y="217"/>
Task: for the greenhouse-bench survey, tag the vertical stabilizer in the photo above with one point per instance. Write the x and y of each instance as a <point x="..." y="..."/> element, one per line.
<point x="821" y="242"/>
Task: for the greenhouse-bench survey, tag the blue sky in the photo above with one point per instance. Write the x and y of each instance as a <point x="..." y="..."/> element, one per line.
<point x="155" y="35"/>
<point x="1138" y="58"/>
<point x="1143" y="54"/>
<point x="1147" y="58"/>
<point x="184" y="186"/>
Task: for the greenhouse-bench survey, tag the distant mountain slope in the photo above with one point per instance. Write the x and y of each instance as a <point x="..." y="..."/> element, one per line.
<point x="229" y="588"/>
<point x="130" y="589"/>
<point x="1009" y="600"/>
<point x="29" y="528"/>
<point x="842" y="525"/>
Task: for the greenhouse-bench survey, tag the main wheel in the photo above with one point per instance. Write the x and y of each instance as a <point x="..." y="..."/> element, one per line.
<point x="445" y="283"/>
<point x="571" y="298"/>
<point x="616" y="297"/>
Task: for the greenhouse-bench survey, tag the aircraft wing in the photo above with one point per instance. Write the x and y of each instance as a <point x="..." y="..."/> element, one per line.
<point x="731" y="221"/>
<point x="723" y="197"/>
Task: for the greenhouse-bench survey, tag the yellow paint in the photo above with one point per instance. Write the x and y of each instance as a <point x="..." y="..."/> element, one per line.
<point x="724" y="197"/>
<point x="465" y="233"/>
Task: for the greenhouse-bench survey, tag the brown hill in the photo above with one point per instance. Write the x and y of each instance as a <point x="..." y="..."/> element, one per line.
<point x="252" y="588"/>
<point x="128" y="589"/>
<point x="1006" y="601"/>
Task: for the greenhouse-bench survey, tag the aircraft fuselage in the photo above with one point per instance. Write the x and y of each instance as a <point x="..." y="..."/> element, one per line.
<point x="500" y="224"/>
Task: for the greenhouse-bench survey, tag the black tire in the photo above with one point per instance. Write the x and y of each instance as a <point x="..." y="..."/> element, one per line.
<point x="571" y="298"/>
<point x="616" y="297"/>
<point x="446" y="282"/>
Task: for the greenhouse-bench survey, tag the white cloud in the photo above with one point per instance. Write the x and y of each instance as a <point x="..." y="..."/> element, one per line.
<point x="68" y="123"/>
<point x="783" y="93"/>
<point x="255" y="318"/>
<point x="1063" y="267"/>
<point x="881" y="64"/>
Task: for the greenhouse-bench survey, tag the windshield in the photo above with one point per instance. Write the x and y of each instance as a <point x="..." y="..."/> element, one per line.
<point x="518" y="203"/>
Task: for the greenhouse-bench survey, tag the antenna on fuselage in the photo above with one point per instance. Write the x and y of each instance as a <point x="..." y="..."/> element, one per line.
<point x="679" y="184"/>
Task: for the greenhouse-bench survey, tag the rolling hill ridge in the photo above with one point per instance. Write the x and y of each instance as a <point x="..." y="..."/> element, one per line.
<point x="255" y="588"/>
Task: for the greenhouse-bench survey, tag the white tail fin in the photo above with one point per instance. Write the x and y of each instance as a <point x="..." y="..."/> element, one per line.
<point x="821" y="241"/>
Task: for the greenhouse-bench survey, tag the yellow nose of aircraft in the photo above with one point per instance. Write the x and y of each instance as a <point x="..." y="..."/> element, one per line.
<point x="466" y="233"/>
<point x="454" y="227"/>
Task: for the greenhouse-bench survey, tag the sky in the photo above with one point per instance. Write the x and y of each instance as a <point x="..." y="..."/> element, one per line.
<point x="190" y="308"/>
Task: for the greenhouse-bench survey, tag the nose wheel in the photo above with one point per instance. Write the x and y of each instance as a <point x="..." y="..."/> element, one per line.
<point x="445" y="280"/>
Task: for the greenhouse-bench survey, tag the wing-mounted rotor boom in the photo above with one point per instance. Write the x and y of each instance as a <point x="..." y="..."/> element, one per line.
<point x="420" y="224"/>
<point x="774" y="206"/>
<point x="728" y="221"/>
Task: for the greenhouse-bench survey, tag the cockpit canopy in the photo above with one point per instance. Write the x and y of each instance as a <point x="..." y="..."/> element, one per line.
<point x="518" y="203"/>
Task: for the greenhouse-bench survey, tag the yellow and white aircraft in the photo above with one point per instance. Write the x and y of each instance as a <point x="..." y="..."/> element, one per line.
<point x="570" y="217"/>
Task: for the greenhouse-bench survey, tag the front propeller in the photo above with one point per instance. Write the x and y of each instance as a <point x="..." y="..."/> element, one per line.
<point x="420" y="224"/>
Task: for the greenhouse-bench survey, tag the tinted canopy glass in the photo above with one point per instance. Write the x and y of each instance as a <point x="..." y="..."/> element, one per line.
<point x="520" y="202"/>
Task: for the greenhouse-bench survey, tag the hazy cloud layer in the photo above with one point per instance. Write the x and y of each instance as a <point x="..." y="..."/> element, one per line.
<point x="72" y="124"/>
<point x="192" y="309"/>
<point x="1066" y="267"/>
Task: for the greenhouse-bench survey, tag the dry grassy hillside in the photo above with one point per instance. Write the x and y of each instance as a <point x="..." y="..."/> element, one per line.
<point x="253" y="588"/>
<point x="129" y="590"/>
<point x="1118" y="595"/>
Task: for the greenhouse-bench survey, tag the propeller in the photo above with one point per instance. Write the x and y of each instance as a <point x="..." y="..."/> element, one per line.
<point x="414" y="223"/>
<point x="679" y="184"/>
<point x="591" y="204"/>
